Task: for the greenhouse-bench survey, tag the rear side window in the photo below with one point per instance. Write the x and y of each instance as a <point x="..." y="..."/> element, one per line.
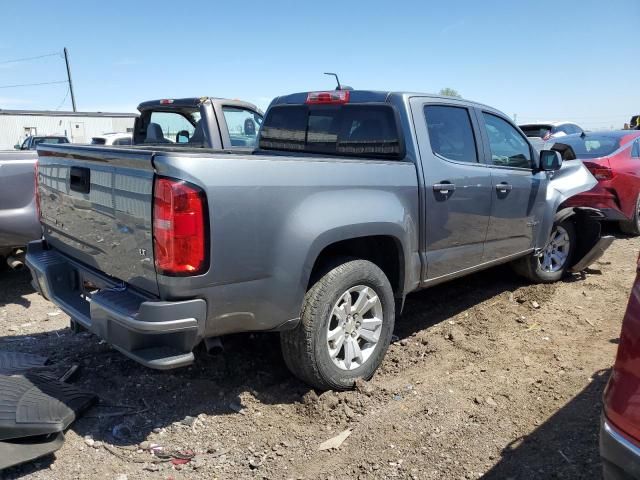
<point x="364" y="130"/>
<point x="451" y="133"/>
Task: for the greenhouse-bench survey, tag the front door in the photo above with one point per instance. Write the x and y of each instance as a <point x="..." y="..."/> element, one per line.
<point x="517" y="192"/>
<point x="457" y="185"/>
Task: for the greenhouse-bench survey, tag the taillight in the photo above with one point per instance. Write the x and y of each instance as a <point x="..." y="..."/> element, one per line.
<point x="36" y="190"/>
<point x="601" y="172"/>
<point x="332" y="96"/>
<point x="166" y="101"/>
<point x="179" y="227"/>
<point x="547" y="136"/>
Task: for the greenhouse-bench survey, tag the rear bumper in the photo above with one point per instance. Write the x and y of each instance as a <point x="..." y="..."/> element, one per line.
<point x="155" y="333"/>
<point x="620" y="457"/>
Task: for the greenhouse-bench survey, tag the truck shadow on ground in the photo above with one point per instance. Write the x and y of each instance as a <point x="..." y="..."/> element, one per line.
<point x="134" y="400"/>
<point x="565" y="446"/>
<point x="14" y="286"/>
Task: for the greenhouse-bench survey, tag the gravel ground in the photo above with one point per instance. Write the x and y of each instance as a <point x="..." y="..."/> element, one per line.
<point x="490" y="377"/>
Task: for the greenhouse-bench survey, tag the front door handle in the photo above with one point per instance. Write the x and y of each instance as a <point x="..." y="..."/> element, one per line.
<point x="504" y="187"/>
<point x="444" y="188"/>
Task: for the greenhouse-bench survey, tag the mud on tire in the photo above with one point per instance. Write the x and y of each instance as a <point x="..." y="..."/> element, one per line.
<point x="329" y="310"/>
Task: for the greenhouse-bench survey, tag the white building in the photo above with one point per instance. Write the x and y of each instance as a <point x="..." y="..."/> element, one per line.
<point x="78" y="127"/>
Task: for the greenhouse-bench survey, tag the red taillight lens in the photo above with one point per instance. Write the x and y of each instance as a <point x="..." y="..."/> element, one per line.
<point x="166" y="102"/>
<point x="36" y="191"/>
<point x="547" y="136"/>
<point x="601" y="172"/>
<point x="333" y="96"/>
<point x="179" y="227"/>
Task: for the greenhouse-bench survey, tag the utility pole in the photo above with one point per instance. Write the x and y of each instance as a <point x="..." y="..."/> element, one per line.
<point x="66" y="60"/>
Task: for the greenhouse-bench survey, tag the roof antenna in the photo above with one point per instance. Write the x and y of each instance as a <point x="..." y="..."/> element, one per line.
<point x="339" y="87"/>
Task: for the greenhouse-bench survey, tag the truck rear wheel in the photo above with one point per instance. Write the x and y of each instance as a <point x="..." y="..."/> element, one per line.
<point x="632" y="227"/>
<point x="552" y="263"/>
<point x="345" y="327"/>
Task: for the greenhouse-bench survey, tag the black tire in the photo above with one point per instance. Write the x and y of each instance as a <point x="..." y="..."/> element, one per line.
<point x="531" y="267"/>
<point x="305" y="348"/>
<point x="632" y="227"/>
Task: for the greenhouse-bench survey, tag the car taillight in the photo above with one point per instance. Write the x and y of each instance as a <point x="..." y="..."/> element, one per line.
<point x="601" y="172"/>
<point x="36" y="192"/>
<point x="330" y="97"/>
<point x="179" y="227"/>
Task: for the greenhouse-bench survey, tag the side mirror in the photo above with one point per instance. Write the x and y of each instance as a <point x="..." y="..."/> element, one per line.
<point x="182" y="136"/>
<point x="16" y="146"/>
<point x="550" y="160"/>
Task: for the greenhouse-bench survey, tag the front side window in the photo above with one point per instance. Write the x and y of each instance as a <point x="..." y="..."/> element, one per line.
<point x="243" y="126"/>
<point x="451" y="133"/>
<point x="508" y="146"/>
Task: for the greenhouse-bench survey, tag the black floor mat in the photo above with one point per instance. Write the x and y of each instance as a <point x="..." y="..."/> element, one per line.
<point x="12" y="363"/>
<point x="21" y="450"/>
<point x="38" y="404"/>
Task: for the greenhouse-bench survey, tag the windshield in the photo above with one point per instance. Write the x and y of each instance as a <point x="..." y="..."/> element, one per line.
<point x="536" y="130"/>
<point x="365" y="130"/>
<point x="591" y="146"/>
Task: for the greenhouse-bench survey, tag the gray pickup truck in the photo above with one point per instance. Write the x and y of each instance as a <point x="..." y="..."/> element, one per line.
<point x="214" y="123"/>
<point x="18" y="218"/>
<point x="352" y="200"/>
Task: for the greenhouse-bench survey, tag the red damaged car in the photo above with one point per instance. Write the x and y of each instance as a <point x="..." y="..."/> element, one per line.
<point x="620" y="428"/>
<point x="614" y="159"/>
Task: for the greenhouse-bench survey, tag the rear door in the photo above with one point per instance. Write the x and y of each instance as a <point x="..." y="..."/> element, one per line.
<point x="96" y="207"/>
<point x="517" y="193"/>
<point x="457" y="186"/>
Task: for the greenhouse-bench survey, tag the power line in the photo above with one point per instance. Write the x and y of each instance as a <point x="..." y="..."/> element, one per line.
<point x="26" y="59"/>
<point x="64" y="99"/>
<point x="32" y="84"/>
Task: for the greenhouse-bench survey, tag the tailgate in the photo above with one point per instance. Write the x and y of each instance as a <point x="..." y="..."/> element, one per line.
<point x="96" y="208"/>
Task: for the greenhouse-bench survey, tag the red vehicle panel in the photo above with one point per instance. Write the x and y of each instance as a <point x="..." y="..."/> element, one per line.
<point x="618" y="172"/>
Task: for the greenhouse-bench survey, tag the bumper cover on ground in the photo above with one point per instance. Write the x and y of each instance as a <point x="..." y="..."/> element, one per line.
<point x="155" y="333"/>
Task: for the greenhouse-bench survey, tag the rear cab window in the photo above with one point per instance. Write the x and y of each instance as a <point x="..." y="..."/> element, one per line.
<point x="540" y="131"/>
<point x="360" y="130"/>
<point x="98" y="141"/>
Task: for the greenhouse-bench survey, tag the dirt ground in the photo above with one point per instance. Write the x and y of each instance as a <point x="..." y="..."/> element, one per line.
<point x="489" y="377"/>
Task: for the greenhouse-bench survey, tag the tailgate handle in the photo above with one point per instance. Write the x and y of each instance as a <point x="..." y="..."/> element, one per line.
<point x="80" y="179"/>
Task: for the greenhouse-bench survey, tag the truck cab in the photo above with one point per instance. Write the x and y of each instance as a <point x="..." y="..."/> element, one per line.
<point x="203" y="122"/>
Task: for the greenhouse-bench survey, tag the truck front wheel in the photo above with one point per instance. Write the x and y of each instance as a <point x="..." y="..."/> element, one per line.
<point x="345" y="327"/>
<point x="551" y="264"/>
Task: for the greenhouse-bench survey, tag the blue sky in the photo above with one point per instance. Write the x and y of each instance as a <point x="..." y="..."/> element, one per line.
<point x="549" y="60"/>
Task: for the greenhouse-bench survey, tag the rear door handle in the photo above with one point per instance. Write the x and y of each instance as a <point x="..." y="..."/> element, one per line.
<point x="444" y="188"/>
<point x="504" y="187"/>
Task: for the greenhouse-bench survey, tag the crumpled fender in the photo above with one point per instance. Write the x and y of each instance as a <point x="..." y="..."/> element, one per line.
<point x="572" y="178"/>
